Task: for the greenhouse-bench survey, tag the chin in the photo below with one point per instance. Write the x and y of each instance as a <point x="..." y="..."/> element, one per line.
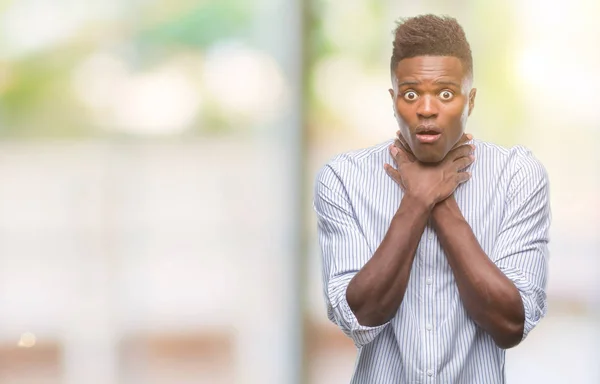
<point x="429" y="157"/>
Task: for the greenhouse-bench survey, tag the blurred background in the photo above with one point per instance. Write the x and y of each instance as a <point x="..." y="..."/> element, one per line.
<point x="157" y="160"/>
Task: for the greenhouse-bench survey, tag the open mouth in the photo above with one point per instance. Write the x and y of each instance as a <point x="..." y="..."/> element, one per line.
<point x="428" y="136"/>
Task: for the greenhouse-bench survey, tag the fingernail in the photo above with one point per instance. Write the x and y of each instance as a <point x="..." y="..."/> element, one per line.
<point x="394" y="151"/>
<point x="469" y="136"/>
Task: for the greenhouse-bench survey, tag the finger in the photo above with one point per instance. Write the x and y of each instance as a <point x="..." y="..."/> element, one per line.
<point x="461" y="177"/>
<point x="394" y="174"/>
<point x="400" y="137"/>
<point x="398" y="154"/>
<point x="463" y="162"/>
<point x="391" y="171"/>
<point x="462" y="151"/>
<point x="404" y="147"/>
<point x="404" y="143"/>
<point x="465" y="138"/>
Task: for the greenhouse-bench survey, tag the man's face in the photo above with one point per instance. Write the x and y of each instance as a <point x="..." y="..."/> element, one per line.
<point x="432" y="98"/>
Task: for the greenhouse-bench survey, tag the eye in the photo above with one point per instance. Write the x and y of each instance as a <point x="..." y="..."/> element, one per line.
<point x="446" y="95"/>
<point x="410" y="95"/>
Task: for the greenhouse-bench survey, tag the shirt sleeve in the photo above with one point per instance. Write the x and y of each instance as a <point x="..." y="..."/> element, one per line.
<point x="344" y="252"/>
<point x="521" y="251"/>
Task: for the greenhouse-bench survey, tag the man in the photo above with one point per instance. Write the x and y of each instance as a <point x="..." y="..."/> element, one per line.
<point x="434" y="245"/>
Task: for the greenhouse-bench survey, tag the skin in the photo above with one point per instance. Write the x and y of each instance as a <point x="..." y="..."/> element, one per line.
<point x="428" y="174"/>
<point x="432" y="90"/>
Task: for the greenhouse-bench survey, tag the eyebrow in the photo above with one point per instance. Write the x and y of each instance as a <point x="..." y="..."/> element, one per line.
<point x="408" y="83"/>
<point x="447" y="82"/>
<point x="441" y="82"/>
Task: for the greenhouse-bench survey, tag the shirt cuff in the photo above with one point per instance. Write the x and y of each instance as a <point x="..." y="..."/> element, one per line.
<point x="342" y="315"/>
<point x="360" y="334"/>
<point x="533" y="298"/>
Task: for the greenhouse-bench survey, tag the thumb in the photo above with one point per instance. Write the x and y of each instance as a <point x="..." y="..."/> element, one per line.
<point x="405" y="149"/>
<point x="393" y="174"/>
<point x="465" y="138"/>
<point x="461" y="177"/>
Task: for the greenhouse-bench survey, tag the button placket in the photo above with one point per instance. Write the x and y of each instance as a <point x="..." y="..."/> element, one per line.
<point x="430" y="313"/>
<point x="428" y="323"/>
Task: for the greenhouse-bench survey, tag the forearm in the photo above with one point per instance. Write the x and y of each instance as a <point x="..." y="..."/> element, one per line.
<point x="490" y="298"/>
<point x="377" y="290"/>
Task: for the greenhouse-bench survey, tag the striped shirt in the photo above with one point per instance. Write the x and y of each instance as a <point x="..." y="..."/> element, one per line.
<point x="432" y="339"/>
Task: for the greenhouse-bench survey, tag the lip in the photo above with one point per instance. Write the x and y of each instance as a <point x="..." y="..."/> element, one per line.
<point x="427" y="129"/>
<point x="427" y="139"/>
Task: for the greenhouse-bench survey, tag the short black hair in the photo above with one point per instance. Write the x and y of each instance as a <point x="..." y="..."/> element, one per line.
<point x="431" y="35"/>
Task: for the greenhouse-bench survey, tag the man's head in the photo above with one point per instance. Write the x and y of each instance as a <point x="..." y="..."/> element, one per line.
<point x="432" y="76"/>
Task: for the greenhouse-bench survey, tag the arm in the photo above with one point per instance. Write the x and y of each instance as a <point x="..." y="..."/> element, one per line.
<point x="503" y="292"/>
<point x="363" y="292"/>
<point x="377" y="290"/>
<point x="491" y="299"/>
<point x="370" y="285"/>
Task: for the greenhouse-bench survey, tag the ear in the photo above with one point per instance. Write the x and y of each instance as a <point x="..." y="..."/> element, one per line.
<point x="472" y="95"/>
<point x="391" y="91"/>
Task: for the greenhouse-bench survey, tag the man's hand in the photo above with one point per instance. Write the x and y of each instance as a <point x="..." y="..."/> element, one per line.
<point x="428" y="183"/>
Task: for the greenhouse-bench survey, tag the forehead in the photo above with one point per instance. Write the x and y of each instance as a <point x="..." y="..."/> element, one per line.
<point x="429" y="68"/>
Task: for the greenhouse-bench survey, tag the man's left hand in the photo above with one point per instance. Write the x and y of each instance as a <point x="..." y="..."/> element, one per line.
<point x="402" y="145"/>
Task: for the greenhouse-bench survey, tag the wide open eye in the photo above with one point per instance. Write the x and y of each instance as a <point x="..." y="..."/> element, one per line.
<point x="446" y="95"/>
<point x="410" y="95"/>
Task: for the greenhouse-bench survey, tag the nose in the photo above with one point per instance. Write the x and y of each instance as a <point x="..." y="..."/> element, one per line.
<point x="427" y="107"/>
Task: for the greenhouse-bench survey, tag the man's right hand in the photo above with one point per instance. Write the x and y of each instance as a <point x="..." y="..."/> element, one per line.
<point x="428" y="183"/>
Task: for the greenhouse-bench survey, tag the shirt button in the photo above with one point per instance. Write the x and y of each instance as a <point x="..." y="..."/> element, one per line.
<point x="430" y="235"/>
<point x="428" y="327"/>
<point x="429" y="372"/>
<point x="429" y="281"/>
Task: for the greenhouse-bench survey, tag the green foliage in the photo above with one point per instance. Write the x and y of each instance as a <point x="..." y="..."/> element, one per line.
<point x="200" y="26"/>
<point x="38" y="100"/>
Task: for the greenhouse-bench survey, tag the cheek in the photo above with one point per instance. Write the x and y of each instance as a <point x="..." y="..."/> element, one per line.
<point x="457" y="114"/>
<point x="465" y="115"/>
<point x="456" y="121"/>
<point x="403" y="113"/>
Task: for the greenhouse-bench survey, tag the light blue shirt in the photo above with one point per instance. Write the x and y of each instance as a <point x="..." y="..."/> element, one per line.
<point x="432" y="339"/>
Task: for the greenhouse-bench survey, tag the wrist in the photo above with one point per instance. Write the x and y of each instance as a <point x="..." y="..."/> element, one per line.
<point x="444" y="208"/>
<point x="446" y="203"/>
<point x="418" y="202"/>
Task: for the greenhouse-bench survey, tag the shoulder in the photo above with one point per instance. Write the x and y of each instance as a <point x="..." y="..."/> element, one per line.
<point x="348" y="164"/>
<point x="516" y="159"/>
<point x="517" y="164"/>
